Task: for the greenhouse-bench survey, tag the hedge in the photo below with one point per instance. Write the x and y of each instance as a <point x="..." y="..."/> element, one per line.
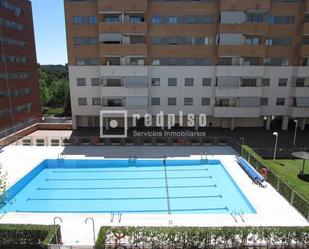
<point x="27" y="236"/>
<point x="208" y="237"/>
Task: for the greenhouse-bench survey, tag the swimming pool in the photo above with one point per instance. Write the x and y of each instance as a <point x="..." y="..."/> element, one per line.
<point x="128" y="186"/>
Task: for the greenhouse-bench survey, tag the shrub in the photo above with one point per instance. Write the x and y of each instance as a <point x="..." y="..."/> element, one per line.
<point x="27" y="236"/>
<point x="208" y="237"/>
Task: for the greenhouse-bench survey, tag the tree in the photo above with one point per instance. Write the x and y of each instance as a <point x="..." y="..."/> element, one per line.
<point x="3" y="184"/>
<point x="55" y="91"/>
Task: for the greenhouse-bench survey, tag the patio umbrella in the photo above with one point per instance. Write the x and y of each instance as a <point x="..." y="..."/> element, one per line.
<point x="302" y="155"/>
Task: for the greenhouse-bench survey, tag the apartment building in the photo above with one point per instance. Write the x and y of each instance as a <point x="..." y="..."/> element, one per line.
<point x="19" y="88"/>
<point x="243" y="63"/>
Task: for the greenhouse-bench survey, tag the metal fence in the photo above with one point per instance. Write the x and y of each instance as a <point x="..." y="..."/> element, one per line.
<point x="30" y="122"/>
<point x="14" y="129"/>
<point x="280" y="185"/>
<point x="131" y="141"/>
<point x="285" y="153"/>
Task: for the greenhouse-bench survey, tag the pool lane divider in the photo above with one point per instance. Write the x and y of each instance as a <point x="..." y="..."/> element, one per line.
<point x="125" y="198"/>
<point x="128" y="211"/>
<point x="124" y="188"/>
<point x="127" y="179"/>
<point x="126" y="171"/>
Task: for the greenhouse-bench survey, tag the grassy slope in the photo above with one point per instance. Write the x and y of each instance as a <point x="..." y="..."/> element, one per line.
<point x="288" y="170"/>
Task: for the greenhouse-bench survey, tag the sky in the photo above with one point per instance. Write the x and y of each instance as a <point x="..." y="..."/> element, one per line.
<point x="49" y="31"/>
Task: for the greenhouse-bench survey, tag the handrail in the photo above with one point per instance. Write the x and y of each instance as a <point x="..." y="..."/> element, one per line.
<point x="93" y="227"/>
<point x="112" y="217"/>
<point x="56" y="232"/>
<point x="4" y="213"/>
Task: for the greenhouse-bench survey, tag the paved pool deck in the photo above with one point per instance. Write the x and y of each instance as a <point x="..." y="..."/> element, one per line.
<point x="272" y="209"/>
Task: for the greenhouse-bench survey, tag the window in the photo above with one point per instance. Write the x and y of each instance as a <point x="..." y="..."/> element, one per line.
<point x="280" y="101"/>
<point x="112" y="19"/>
<point x="188" y="101"/>
<point x="156" y="62"/>
<point x="251" y="61"/>
<point x="79" y="41"/>
<point x="283" y="82"/>
<point x="280" y="19"/>
<point x="87" y="62"/>
<point x="206" y="82"/>
<point x="276" y="62"/>
<point x="113" y="83"/>
<point x="248" y="82"/>
<point x="252" y="40"/>
<point x="11" y="7"/>
<point x="171" y="101"/>
<point x="278" y="41"/>
<point x="155" y="81"/>
<point x="155" y="101"/>
<point x="265" y="82"/>
<point x="85" y="20"/>
<point x="95" y="82"/>
<point x="172" y="82"/>
<point x="205" y="101"/>
<point x="255" y="17"/>
<point x="189" y="81"/>
<point x="82" y="101"/>
<point x="264" y="101"/>
<point x="12" y="25"/>
<point x="81" y="82"/>
<point x="155" y="20"/>
<point x="96" y="101"/>
<point x="12" y="42"/>
<point x="173" y="19"/>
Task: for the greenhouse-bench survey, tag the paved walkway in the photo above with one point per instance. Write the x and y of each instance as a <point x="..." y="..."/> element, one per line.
<point x="254" y="137"/>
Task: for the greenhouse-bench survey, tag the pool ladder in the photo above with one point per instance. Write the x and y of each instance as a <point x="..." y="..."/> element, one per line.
<point x="119" y="215"/>
<point x="132" y="160"/>
<point x="239" y="214"/>
<point x="204" y="157"/>
<point x="61" y="156"/>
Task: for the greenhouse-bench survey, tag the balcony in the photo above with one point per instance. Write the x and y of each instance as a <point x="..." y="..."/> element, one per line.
<point x="120" y="5"/>
<point x="141" y="27"/>
<point x="237" y="112"/>
<point x="304" y="50"/>
<point x="183" y="51"/>
<point x="245" y="28"/>
<point x="300" y="112"/>
<point x="123" y="49"/>
<point x="242" y="50"/>
<point x="123" y="91"/>
<point x="241" y="92"/>
<point x="306" y="29"/>
<point x="301" y="91"/>
<point x="244" y="5"/>
<point x="122" y="71"/>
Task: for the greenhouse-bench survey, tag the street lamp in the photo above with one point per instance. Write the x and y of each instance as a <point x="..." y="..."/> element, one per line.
<point x="295" y="132"/>
<point x="276" y="143"/>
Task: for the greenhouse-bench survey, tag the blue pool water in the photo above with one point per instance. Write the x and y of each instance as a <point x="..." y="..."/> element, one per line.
<point x="141" y="186"/>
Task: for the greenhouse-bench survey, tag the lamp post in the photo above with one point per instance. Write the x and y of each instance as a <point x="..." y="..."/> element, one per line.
<point x="295" y="132"/>
<point x="276" y="143"/>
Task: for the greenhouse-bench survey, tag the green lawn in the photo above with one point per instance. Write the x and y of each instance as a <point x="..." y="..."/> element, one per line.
<point x="288" y="170"/>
